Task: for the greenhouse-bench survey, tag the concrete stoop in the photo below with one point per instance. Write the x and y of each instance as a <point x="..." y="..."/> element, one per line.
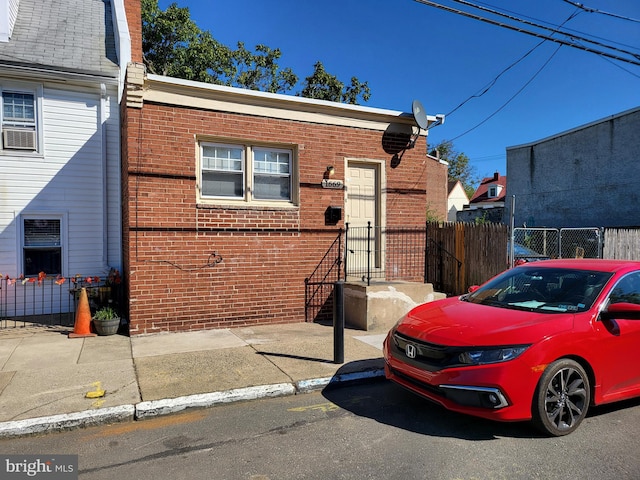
<point x="377" y="307"/>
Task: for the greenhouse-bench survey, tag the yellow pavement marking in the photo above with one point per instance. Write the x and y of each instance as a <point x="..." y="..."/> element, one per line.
<point x="97" y="393"/>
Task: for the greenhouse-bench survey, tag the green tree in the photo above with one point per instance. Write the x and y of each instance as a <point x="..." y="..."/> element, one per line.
<point x="174" y="46"/>
<point x="260" y="70"/>
<point x="325" y="86"/>
<point x="459" y="168"/>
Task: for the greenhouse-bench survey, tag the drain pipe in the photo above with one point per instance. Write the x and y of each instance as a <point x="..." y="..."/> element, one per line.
<point x="105" y="193"/>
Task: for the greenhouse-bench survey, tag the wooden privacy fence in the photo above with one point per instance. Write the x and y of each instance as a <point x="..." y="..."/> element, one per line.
<point x="481" y="249"/>
<point x="621" y="243"/>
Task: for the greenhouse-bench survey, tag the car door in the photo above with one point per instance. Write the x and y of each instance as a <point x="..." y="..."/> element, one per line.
<point x="619" y="344"/>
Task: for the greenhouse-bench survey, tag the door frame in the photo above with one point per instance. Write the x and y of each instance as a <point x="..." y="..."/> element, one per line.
<point x="380" y="201"/>
<point x="381" y="186"/>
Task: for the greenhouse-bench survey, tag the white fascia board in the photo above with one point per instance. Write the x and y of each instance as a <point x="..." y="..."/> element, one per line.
<point x="252" y="102"/>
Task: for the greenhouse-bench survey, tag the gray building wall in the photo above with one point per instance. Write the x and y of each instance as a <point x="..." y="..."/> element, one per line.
<point x="585" y="177"/>
<point x="492" y="215"/>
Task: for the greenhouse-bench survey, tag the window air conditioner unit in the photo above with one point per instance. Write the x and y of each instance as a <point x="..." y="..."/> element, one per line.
<point x="19" y="138"/>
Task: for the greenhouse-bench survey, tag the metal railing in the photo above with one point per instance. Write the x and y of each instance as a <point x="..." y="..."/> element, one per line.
<point x="443" y="269"/>
<point x="399" y="253"/>
<point x="318" y="287"/>
<point x="49" y="300"/>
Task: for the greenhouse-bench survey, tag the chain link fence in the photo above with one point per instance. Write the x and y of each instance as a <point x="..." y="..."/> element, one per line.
<point x="530" y="244"/>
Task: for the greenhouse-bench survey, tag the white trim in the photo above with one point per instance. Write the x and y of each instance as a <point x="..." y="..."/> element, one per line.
<point x="123" y="41"/>
<point x="37" y="90"/>
<point x="175" y="91"/>
<point x="381" y="188"/>
<point x="248" y="175"/>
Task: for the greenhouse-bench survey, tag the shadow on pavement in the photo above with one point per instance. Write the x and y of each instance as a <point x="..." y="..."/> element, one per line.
<point x="390" y="404"/>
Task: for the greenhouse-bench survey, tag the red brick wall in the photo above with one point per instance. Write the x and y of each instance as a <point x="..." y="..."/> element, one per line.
<point x="266" y="252"/>
<point x="134" y="20"/>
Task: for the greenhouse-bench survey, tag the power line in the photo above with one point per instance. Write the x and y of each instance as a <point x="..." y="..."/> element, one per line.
<point x="567" y="30"/>
<point x="534" y="34"/>
<point x="512" y="97"/>
<point x="555" y="29"/>
<point x="492" y="83"/>
<point x="595" y="10"/>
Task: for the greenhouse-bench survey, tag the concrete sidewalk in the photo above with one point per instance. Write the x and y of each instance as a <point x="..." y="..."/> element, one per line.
<point x="51" y="382"/>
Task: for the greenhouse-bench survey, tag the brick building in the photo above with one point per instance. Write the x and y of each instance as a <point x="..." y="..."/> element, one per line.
<point x="226" y="195"/>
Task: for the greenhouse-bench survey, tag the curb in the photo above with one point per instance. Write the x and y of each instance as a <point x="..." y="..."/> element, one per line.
<point x="154" y="408"/>
<point x="56" y="423"/>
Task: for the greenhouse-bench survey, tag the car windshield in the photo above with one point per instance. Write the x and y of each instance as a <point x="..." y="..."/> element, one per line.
<point x="550" y="290"/>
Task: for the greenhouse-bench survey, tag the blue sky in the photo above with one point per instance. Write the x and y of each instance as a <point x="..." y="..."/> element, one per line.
<point x="406" y="50"/>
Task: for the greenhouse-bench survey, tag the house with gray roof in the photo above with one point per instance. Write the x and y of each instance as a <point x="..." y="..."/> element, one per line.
<point x="61" y="77"/>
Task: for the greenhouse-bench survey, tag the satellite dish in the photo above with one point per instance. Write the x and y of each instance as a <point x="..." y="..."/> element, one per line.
<point x="420" y="114"/>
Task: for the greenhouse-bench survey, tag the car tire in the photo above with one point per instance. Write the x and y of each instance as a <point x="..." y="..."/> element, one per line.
<point x="562" y="398"/>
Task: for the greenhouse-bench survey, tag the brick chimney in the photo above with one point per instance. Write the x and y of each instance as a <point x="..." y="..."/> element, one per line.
<point x="134" y="19"/>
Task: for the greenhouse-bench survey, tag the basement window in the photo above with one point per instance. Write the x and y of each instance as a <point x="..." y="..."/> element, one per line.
<point x="42" y="246"/>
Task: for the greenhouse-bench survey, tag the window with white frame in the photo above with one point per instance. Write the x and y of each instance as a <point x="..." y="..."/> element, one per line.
<point x="494" y="191"/>
<point x="246" y="173"/>
<point x="19" y="120"/>
<point x="41" y="246"/>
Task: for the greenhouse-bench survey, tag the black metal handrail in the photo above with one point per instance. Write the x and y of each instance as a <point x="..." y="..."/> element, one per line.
<point x="441" y="275"/>
<point x="319" y="285"/>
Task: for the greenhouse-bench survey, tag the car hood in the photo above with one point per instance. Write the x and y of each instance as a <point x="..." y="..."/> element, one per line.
<point x="458" y="323"/>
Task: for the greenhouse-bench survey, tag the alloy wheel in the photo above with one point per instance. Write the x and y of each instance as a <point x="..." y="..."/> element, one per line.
<point x="562" y="398"/>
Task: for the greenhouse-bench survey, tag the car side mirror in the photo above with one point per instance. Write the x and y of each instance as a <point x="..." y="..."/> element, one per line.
<point x="621" y="311"/>
<point x="473" y="288"/>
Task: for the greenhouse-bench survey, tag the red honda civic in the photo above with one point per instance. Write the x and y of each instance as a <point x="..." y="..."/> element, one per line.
<point x="541" y="342"/>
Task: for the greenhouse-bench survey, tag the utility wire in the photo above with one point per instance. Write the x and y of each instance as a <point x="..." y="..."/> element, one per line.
<point x="512" y="97"/>
<point x="493" y="82"/>
<point x="567" y="31"/>
<point x="528" y="32"/>
<point x="595" y="10"/>
<point x="553" y="30"/>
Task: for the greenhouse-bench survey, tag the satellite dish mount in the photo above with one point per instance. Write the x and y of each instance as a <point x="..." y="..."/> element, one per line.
<point x="420" y="117"/>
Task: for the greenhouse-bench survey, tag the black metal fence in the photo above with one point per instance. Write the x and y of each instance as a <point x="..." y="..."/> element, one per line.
<point x="49" y="300"/>
<point x="380" y="254"/>
<point x="385" y="253"/>
<point x="399" y="253"/>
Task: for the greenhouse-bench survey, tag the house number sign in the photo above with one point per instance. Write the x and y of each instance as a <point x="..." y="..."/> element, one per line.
<point x="336" y="184"/>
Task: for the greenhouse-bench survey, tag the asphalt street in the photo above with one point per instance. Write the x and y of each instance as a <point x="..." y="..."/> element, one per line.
<point x="369" y="430"/>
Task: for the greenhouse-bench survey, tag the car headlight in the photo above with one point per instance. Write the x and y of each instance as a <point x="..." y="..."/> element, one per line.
<point x="491" y="355"/>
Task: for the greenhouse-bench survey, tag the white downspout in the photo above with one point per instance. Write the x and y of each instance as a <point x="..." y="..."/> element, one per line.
<point x="105" y="193"/>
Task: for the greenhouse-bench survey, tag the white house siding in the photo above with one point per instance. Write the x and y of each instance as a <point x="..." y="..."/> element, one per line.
<point x="67" y="179"/>
<point x="456" y="201"/>
<point x="8" y="14"/>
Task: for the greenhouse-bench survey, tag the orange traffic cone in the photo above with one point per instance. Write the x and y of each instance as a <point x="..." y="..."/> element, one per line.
<point x="82" y="327"/>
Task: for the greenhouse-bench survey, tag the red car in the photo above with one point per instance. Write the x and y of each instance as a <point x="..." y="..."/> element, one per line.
<point x="541" y="342"/>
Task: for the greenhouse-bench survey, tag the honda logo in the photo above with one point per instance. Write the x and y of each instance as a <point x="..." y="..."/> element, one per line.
<point x="410" y="350"/>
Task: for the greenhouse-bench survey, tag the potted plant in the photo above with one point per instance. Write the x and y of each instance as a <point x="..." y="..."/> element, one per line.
<point x="106" y="321"/>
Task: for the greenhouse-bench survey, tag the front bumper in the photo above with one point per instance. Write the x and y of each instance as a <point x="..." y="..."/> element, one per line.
<point x="501" y="391"/>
